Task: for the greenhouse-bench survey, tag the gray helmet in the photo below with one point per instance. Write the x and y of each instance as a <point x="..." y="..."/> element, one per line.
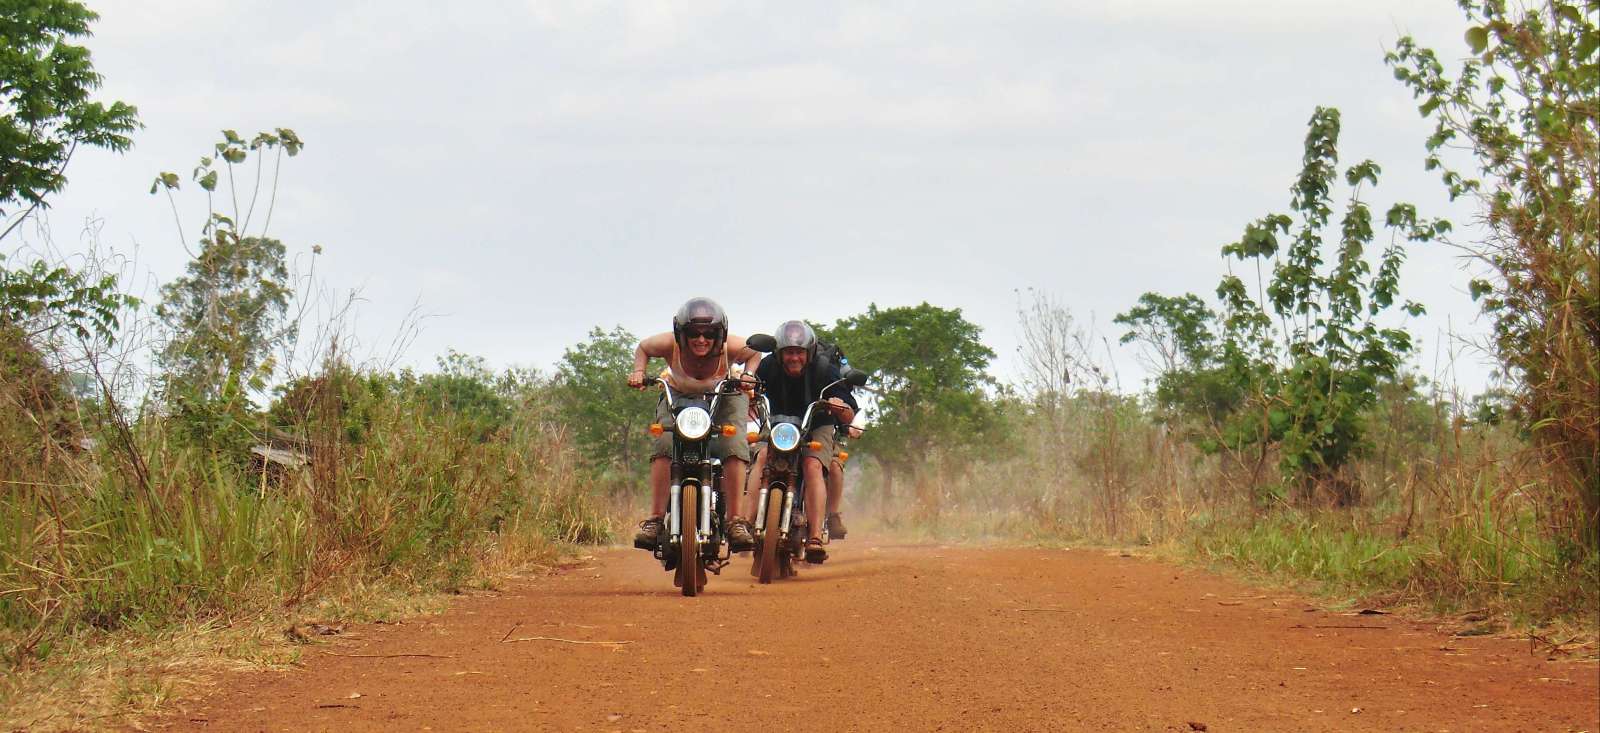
<point x="791" y="334"/>
<point x="700" y="312"/>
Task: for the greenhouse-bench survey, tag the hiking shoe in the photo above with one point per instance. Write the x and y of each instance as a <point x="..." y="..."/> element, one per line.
<point x="649" y="534"/>
<point x="814" y="552"/>
<point x="739" y="537"/>
<point x="835" y="526"/>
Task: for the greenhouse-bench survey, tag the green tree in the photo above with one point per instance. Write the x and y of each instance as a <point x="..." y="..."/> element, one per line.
<point x="42" y="297"/>
<point x="1300" y="359"/>
<point x="465" y="386"/>
<point x="1176" y="329"/>
<point x="45" y="114"/>
<point x="1196" y="376"/>
<point x="607" y="417"/>
<point x="226" y="316"/>
<point x="45" y="86"/>
<point x="1526" y="104"/>
<point x="929" y="368"/>
<point x="230" y="311"/>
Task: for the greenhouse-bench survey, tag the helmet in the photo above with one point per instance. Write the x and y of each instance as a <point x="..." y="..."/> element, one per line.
<point x="700" y="312"/>
<point x="791" y="334"/>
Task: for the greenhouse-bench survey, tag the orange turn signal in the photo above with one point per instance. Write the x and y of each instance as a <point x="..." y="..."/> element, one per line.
<point x="752" y="437"/>
<point x="814" y="445"/>
<point x="844" y="456"/>
<point x="728" y="431"/>
<point x="656" y="429"/>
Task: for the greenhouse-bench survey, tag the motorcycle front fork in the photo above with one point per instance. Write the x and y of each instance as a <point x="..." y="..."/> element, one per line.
<point x="675" y="511"/>
<point x="784" y="520"/>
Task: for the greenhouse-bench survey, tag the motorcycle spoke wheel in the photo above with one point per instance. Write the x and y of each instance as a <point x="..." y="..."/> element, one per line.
<point x="691" y="577"/>
<point x="767" y="557"/>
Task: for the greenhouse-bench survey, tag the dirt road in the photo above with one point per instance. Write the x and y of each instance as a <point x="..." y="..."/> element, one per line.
<point x="905" y="638"/>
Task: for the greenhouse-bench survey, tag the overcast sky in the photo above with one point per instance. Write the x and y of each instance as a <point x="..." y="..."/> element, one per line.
<point x="527" y="170"/>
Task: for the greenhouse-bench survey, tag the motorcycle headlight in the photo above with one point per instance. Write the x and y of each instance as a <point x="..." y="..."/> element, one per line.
<point x="694" y="423"/>
<point x="785" y="436"/>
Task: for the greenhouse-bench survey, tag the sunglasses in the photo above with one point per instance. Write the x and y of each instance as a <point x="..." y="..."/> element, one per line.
<point x="709" y="334"/>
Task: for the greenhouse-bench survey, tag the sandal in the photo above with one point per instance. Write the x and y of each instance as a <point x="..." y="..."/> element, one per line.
<point x="814" y="552"/>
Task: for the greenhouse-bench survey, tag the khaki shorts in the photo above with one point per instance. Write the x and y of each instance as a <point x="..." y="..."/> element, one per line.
<point x="823" y="435"/>
<point x="731" y="410"/>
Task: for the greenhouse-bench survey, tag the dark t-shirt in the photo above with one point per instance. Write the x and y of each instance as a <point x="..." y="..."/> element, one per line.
<point x="791" y="395"/>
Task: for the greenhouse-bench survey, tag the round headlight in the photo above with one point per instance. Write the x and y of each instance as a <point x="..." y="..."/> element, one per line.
<point x="694" y="423"/>
<point x="785" y="436"/>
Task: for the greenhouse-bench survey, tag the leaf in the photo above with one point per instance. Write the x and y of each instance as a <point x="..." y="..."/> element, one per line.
<point x="1586" y="46"/>
<point x="209" y="181"/>
<point x="1477" y="38"/>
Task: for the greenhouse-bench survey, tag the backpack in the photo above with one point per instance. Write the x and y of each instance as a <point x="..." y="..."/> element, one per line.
<point x="830" y="354"/>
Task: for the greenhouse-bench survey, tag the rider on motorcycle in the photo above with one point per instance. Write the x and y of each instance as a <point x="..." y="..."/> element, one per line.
<point x="836" y="529"/>
<point x="699" y="353"/>
<point x="794" y="378"/>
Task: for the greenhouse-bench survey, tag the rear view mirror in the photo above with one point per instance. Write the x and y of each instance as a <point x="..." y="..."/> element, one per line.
<point x="761" y="342"/>
<point x="855" y="377"/>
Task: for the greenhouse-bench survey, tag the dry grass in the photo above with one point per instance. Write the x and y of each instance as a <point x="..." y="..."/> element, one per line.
<point x="136" y="571"/>
<point x="1454" y="517"/>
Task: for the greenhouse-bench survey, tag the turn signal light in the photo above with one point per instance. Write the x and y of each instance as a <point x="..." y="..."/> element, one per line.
<point x="814" y="445"/>
<point x="844" y="456"/>
<point x="656" y="429"/>
<point x="752" y="437"/>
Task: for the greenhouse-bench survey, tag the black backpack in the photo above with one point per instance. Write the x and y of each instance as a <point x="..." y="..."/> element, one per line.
<point x="831" y="354"/>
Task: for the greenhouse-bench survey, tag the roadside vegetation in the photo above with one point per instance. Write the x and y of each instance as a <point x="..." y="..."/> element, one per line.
<point x="1287" y="430"/>
<point x="210" y="458"/>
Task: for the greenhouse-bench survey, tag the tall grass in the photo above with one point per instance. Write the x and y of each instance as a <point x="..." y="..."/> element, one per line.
<point x="426" y="498"/>
<point x="1453" y="514"/>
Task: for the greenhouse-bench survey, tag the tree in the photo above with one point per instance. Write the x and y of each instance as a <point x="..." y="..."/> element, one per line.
<point x="45" y="114"/>
<point x="1526" y="104"/>
<point x="45" y="83"/>
<point x="1174" y="328"/>
<point x="465" y="388"/>
<point x="226" y="315"/>
<point x="230" y="312"/>
<point x="607" y="416"/>
<point x="930" y="372"/>
<point x="42" y="297"/>
<point x="1196" y="376"/>
<point x="1299" y="360"/>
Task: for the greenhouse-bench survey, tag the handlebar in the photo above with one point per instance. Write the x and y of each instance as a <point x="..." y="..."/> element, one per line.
<point x="726" y="387"/>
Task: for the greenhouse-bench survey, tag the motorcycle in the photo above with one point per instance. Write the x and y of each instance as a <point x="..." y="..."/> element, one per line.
<point x="780" y="524"/>
<point x="695" y="524"/>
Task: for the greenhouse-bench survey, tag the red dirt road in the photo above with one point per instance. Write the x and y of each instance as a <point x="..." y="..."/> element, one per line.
<point x="909" y="638"/>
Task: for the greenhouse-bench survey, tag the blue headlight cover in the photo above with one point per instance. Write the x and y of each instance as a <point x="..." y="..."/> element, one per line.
<point x="785" y="436"/>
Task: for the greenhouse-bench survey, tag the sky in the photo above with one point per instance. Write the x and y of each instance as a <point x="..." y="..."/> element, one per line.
<point x="520" y="172"/>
